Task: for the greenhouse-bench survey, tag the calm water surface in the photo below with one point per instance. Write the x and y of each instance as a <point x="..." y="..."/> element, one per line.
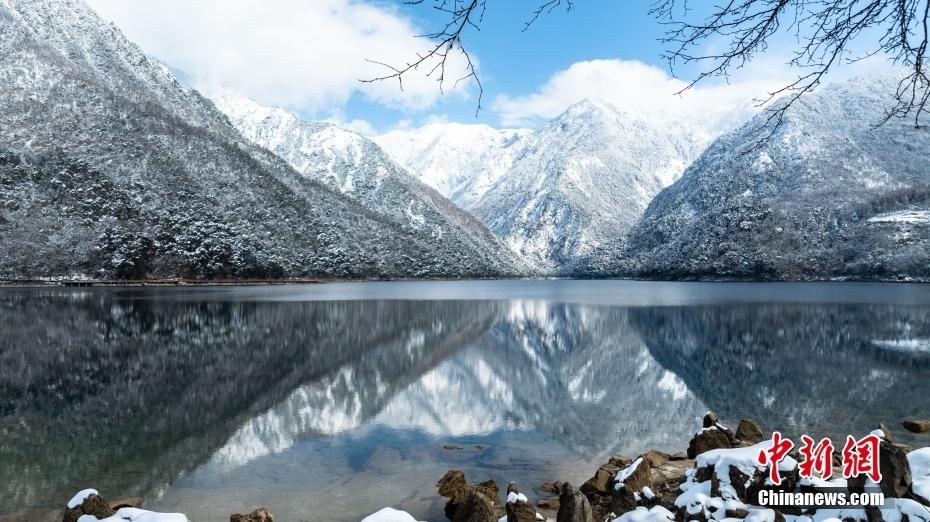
<point x="328" y="402"/>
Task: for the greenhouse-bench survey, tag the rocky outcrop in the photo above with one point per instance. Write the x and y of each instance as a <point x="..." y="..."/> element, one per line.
<point x="259" y="515"/>
<point x="89" y="503"/>
<point x="573" y="506"/>
<point x="724" y="482"/>
<point x="92" y="504"/>
<point x="518" y="507"/>
<point x="709" y="439"/>
<point x="895" y="468"/>
<point x="468" y="503"/>
<point x="749" y="430"/>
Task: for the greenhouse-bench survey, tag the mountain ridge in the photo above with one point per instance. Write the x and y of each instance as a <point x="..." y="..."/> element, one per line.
<point x="111" y="169"/>
<point x="758" y="210"/>
<point x="356" y="167"/>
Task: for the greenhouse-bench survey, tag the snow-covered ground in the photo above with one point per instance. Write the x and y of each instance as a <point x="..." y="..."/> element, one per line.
<point x="914" y="217"/>
<point x="904" y="345"/>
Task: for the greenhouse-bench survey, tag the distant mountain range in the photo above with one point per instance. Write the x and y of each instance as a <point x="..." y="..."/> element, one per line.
<point x="460" y="161"/>
<point x="828" y="195"/>
<point x="357" y="168"/>
<point x="556" y="194"/>
<point x="111" y="169"/>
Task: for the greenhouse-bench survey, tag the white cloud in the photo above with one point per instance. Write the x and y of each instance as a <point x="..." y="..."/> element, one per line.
<point x="302" y="55"/>
<point x="642" y="88"/>
<point x="363" y="127"/>
<point x="628" y="85"/>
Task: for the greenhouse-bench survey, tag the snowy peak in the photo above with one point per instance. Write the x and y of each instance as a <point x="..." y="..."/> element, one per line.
<point x="589" y="110"/>
<point x="356" y="167"/>
<point x="460" y="161"/>
<point x="800" y="204"/>
<point x="556" y="194"/>
<point x="583" y="178"/>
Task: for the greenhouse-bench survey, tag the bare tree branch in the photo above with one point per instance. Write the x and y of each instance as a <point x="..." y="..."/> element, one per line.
<point x="447" y="41"/>
<point x="824" y="30"/>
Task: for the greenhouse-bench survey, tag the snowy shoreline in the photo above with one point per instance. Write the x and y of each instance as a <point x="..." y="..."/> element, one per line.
<point x="718" y="478"/>
<point x="141" y="283"/>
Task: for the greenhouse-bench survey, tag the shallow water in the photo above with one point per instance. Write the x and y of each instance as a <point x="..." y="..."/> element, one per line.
<point x="328" y="402"/>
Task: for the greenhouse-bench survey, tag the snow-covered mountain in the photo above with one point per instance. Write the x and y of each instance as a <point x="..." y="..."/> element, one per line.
<point x="110" y="168"/>
<point x="358" y="169"/>
<point x="557" y="194"/>
<point x="826" y="196"/>
<point x="582" y="179"/>
<point x="460" y="161"/>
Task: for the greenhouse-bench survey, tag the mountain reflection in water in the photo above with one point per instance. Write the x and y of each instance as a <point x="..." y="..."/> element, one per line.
<point x="329" y="410"/>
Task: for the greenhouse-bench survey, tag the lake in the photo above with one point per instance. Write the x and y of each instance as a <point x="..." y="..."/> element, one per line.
<point x="327" y="402"/>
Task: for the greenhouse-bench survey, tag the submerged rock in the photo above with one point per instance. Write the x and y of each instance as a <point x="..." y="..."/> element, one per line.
<point x="551" y="487"/>
<point x="550" y="503"/>
<point x="259" y="515"/>
<point x="916" y="426"/>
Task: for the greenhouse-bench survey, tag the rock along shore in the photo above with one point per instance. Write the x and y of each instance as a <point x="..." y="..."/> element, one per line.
<point x="717" y="479"/>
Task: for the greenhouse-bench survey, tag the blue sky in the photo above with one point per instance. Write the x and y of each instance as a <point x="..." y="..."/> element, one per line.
<point x="514" y="62"/>
<point x="308" y="55"/>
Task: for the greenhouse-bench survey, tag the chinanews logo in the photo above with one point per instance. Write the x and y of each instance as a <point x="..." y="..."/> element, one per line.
<point x="859" y="457"/>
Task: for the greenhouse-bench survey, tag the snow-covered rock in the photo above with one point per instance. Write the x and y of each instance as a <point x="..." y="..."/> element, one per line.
<point x="390" y="515"/>
<point x="642" y="514"/>
<point x="827" y="195"/>
<point x="80" y="497"/>
<point x="136" y="515"/>
<point x="919" y="460"/>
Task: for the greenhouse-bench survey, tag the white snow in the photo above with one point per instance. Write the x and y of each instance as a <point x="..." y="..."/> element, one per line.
<point x="390" y="515"/>
<point x="903" y="345"/>
<point x="625" y="474"/>
<point x="460" y="161"/>
<point x="80" y="496"/>
<point x="647" y="493"/>
<point x="914" y="511"/>
<point x="760" y="515"/>
<point x="136" y="515"/>
<point x="743" y="459"/>
<point x="919" y="460"/>
<point x="641" y="514"/>
<point x="913" y="217"/>
<point x="513" y="497"/>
